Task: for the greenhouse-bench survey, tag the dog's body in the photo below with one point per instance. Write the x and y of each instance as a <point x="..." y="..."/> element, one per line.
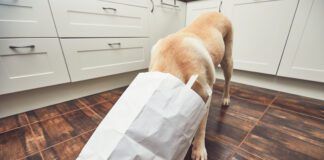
<point x="198" y="49"/>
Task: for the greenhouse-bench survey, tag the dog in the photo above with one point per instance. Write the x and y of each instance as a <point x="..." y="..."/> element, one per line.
<point x="198" y="49"/>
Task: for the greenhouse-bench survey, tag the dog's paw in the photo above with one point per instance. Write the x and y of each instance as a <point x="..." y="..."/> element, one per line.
<point x="226" y="101"/>
<point x="199" y="153"/>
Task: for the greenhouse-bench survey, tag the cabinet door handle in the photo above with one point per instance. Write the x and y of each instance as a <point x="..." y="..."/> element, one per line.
<point x="29" y="46"/>
<point x="109" y="8"/>
<point x="152" y="6"/>
<point x="167" y="4"/>
<point x="112" y="44"/>
<point x="220" y="7"/>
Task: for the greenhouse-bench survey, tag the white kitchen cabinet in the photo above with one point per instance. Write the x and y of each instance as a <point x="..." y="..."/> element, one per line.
<point x="166" y="19"/>
<point x="100" y="18"/>
<point x="26" y="18"/>
<point x="98" y="57"/>
<point x="143" y="3"/>
<point x="261" y="29"/>
<point x="27" y="63"/>
<point x="304" y="54"/>
<point x="196" y="8"/>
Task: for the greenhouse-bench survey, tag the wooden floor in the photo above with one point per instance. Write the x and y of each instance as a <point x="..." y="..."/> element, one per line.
<point x="259" y="124"/>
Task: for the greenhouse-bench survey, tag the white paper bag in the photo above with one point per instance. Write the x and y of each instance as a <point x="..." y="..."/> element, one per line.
<point x="155" y="118"/>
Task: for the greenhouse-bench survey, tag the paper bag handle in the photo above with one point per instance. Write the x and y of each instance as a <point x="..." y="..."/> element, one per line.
<point x="192" y="80"/>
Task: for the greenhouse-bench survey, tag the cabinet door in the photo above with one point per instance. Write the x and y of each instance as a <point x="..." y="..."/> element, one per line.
<point x="36" y="62"/>
<point x="99" y="18"/>
<point x="98" y="57"/>
<point x="196" y="8"/>
<point x="166" y="19"/>
<point x="304" y="54"/>
<point x="261" y="29"/>
<point x="26" y="18"/>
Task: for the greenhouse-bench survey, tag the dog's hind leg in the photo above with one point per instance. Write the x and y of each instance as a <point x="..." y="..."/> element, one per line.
<point x="199" y="151"/>
<point x="227" y="67"/>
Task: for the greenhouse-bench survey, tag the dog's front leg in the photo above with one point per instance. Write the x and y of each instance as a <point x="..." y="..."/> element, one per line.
<point x="199" y="151"/>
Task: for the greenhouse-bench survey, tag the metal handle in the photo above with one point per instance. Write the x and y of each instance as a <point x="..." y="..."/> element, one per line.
<point x="167" y="4"/>
<point x="220" y="7"/>
<point x="29" y="46"/>
<point x="109" y="8"/>
<point x="112" y="44"/>
<point x="152" y="6"/>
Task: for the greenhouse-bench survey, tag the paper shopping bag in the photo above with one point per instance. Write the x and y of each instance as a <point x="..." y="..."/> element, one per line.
<point x="155" y="118"/>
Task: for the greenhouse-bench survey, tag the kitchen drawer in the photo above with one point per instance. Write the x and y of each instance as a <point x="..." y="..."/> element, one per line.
<point x="99" y="18"/>
<point x="38" y="63"/>
<point x="98" y="57"/>
<point x="26" y="18"/>
<point x="142" y="3"/>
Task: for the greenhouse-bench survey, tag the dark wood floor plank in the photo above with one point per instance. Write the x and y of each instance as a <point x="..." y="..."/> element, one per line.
<point x="215" y="151"/>
<point x="300" y="104"/>
<point x="232" y="123"/>
<point x="243" y="155"/>
<point x="69" y="106"/>
<point x="36" y="156"/>
<point x="242" y="108"/>
<point x="227" y="127"/>
<point x="260" y="95"/>
<point x="269" y="143"/>
<point x="218" y="151"/>
<point x="61" y="128"/>
<point x="102" y="109"/>
<point x="113" y="95"/>
<point x="120" y="90"/>
<point x="17" y="143"/>
<point x="83" y="120"/>
<point x="68" y="150"/>
<point x="53" y="110"/>
<point x="300" y="126"/>
<point x="93" y="99"/>
<point x="13" y="122"/>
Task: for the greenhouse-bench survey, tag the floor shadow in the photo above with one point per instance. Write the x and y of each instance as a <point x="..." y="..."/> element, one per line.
<point x="222" y="114"/>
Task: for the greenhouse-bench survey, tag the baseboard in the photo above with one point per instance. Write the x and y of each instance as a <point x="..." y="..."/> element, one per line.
<point x="288" y="85"/>
<point x="19" y="102"/>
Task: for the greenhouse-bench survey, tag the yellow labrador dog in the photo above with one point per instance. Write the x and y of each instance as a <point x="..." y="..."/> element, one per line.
<point x="198" y="49"/>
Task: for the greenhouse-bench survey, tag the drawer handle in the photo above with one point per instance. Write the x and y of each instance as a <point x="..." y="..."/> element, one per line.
<point x="152" y="6"/>
<point x="29" y="46"/>
<point x="172" y="5"/>
<point x="109" y="8"/>
<point x="112" y="44"/>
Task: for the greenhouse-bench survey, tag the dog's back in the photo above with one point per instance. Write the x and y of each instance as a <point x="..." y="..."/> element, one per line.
<point x="196" y="49"/>
<point x="215" y="30"/>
